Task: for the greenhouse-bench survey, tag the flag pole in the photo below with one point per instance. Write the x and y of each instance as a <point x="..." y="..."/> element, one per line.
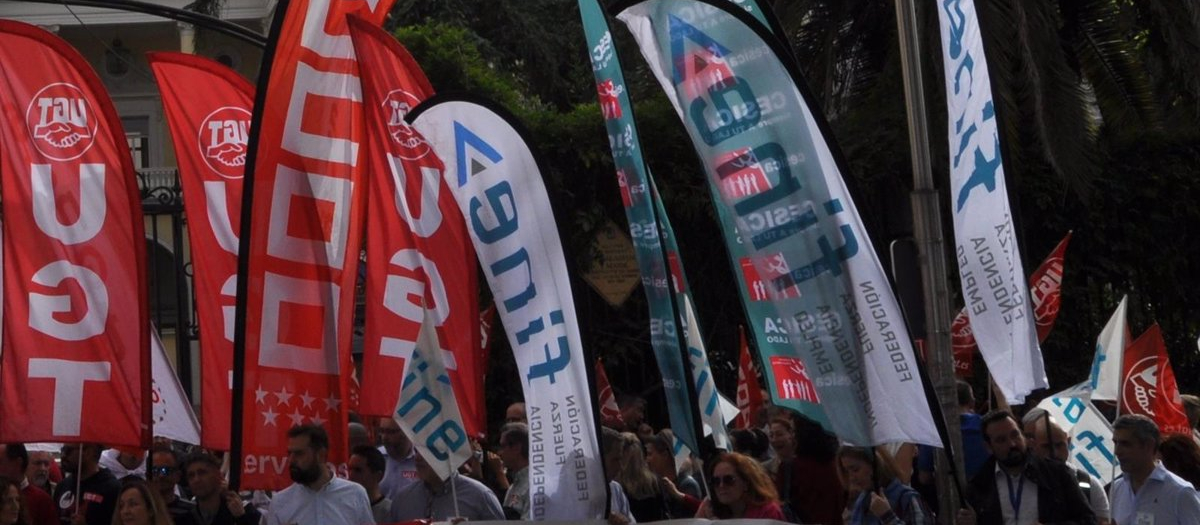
<point x="454" y="492"/>
<point x="927" y="226"/>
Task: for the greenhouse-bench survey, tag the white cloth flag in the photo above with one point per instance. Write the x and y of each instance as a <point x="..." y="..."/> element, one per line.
<point x="712" y="419"/>
<point x="498" y="186"/>
<point x="427" y="410"/>
<point x="1092" y="448"/>
<point x="173" y="415"/>
<point x="992" y="277"/>
<point x="1105" y="380"/>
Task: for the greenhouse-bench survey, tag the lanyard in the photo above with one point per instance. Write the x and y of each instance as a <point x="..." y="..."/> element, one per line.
<point x="1015" y="495"/>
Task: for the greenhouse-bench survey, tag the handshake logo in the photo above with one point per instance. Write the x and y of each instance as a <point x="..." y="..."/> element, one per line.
<point x="223" y="139"/>
<point x="59" y="120"/>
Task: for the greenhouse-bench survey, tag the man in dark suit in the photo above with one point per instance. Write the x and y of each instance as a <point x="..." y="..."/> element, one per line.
<point x="1014" y="486"/>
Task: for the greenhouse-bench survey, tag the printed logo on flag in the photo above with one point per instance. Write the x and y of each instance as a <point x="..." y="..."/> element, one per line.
<point x="222" y="139"/>
<point x="1141" y="386"/>
<point x="412" y="145"/>
<point x="762" y="289"/>
<point x="791" y="379"/>
<point x="741" y="175"/>
<point x="610" y="99"/>
<point x="59" y="120"/>
<point x="623" y="183"/>
<point x="603" y="52"/>
<point x="1044" y="290"/>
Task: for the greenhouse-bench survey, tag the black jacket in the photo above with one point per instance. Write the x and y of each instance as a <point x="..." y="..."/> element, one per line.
<point x="224" y="517"/>
<point x="1060" y="502"/>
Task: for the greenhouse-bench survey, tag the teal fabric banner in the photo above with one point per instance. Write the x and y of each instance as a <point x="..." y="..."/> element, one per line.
<point x="808" y="256"/>
<point x="643" y="227"/>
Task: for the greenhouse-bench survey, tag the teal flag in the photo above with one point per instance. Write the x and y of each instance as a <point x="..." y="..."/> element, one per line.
<point x="807" y="255"/>
<point x="643" y="226"/>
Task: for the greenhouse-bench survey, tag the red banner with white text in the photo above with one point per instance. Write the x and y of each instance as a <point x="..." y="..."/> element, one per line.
<point x="1045" y="287"/>
<point x="76" y="333"/>
<point x="749" y="394"/>
<point x="208" y="109"/>
<point x="306" y="186"/>
<point x="418" y="248"/>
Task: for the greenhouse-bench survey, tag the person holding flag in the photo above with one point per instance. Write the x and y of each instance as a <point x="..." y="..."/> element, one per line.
<point x="436" y="499"/>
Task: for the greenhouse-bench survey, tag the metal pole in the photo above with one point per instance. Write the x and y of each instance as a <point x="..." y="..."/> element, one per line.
<point x="927" y="226"/>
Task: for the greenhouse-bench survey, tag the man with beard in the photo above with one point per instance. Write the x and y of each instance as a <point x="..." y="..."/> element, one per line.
<point x="40" y="464"/>
<point x="317" y="497"/>
<point x="99" y="487"/>
<point x="214" y="504"/>
<point x="1015" y="487"/>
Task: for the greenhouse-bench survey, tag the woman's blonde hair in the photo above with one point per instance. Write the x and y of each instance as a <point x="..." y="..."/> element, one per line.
<point x="883" y="467"/>
<point x="159" y="515"/>
<point x="636" y="478"/>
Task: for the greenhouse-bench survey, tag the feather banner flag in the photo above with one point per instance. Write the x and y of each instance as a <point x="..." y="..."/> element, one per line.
<point x="76" y="333"/>
<point x="417" y="241"/>
<point x="1107" y="372"/>
<point x="1148" y="387"/>
<point x="989" y="263"/>
<point x="498" y="186"/>
<point x="208" y="108"/>
<point x="302" y="221"/>
<point x="766" y="155"/>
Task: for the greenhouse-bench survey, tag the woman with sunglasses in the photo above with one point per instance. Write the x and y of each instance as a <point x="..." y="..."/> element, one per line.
<point x="138" y="504"/>
<point x="12" y="505"/>
<point x="879" y="496"/>
<point x="741" y="489"/>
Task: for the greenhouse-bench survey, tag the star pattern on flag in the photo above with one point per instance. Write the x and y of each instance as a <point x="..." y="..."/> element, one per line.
<point x="278" y="407"/>
<point x="332" y="402"/>
<point x="269" y="417"/>
<point x="282" y="397"/>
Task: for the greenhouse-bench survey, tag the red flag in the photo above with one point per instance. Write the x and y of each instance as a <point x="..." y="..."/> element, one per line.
<point x="610" y="411"/>
<point x="1045" y="287"/>
<point x="208" y="112"/>
<point x="306" y="182"/>
<point x="1149" y="385"/>
<point x="486" y="319"/>
<point x="749" y="395"/>
<point x="417" y="240"/>
<point x="76" y="333"/>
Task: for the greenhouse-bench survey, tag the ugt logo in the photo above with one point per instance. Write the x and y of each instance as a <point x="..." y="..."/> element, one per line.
<point x="223" y="139"/>
<point x="603" y="52"/>
<point x="412" y="145"/>
<point x="1141" y="386"/>
<point x="59" y="120"/>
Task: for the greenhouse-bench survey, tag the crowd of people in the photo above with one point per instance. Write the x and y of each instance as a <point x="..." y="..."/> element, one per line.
<point x="787" y="469"/>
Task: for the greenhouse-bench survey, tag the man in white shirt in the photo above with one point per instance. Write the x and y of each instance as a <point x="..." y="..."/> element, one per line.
<point x="317" y="497"/>
<point x="1147" y="493"/>
<point x="514" y="452"/>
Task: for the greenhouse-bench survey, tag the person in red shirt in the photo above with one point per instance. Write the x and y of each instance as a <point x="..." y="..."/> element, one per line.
<point x="14" y="461"/>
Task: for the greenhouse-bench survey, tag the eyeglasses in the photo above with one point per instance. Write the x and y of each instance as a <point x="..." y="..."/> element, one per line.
<point x="728" y="479"/>
<point x="162" y="471"/>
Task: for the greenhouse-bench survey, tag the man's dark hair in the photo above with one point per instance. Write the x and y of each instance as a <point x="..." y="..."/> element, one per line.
<point x="518" y="432"/>
<point x="317" y="437"/>
<point x="167" y="449"/>
<point x="17" y="451"/>
<point x="206" y="458"/>
<point x="1144" y="428"/>
<point x="966" y="396"/>
<point x="995" y="416"/>
<point x="375" y="460"/>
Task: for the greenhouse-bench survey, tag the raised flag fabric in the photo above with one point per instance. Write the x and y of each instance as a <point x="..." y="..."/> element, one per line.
<point x="610" y="411"/>
<point x="426" y="409"/>
<point x="208" y="107"/>
<point x="749" y="394"/>
<point x="989" y="263"/>
<point x="633" y="178"/>
<point x="75" y="363"/>
<point x="1092" y="446"/>
<point x="773" y="167"/>
<point x="302" y="228"/>
<point x="1148" y="383"/>
<point x="173" y="417"/>
<point x="1107" y="372"/>
<point x="417" y="241"/>
<point x="1045" y="287"/>
<point x="498" y="186"/>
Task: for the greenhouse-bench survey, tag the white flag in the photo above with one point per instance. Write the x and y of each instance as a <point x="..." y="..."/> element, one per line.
<point x="1092" y="447"/>
<point x="427" y="410"/>
<point x="1110" y="354"/>
<point x="173" y="415"/>
<point x="993" y="280"/>
<point x="712" y="419"/>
